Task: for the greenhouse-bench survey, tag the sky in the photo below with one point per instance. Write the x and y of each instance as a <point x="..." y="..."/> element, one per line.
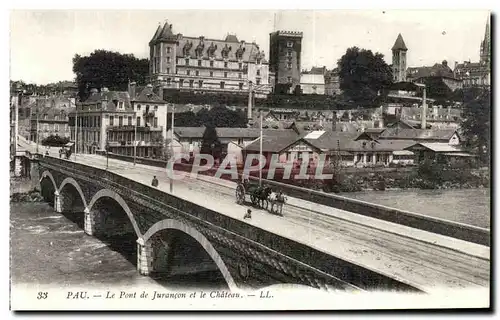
<point x="43" y="43"/>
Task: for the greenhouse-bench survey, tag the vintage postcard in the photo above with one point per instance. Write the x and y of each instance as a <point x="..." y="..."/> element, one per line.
<point x="250" y="159"/>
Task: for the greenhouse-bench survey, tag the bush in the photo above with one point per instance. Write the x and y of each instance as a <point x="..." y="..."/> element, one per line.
<point x="55" y="141"/>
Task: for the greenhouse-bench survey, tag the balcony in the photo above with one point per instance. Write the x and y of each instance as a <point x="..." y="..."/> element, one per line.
<point x="149" y="114"/>
<point x="132" y="128"/>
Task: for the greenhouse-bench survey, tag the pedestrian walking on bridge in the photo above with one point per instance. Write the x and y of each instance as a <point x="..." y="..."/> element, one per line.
<point x="154" y="183"/>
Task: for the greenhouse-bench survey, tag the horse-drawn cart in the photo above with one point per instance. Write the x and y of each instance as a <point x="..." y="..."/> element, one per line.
<point x="261" y="196"/>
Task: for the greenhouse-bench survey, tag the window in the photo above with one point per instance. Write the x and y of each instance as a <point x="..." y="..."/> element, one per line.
<point x="111" y="120"/>
<point x="289" y="53"/>
<point x="241" y="85"/>
<point x="181" y="82"/>
<point x="56" y="127"/>
<point x="258" y="72"/>
<point x="289" y="79"/>
<point x="138" y="121"/>
<point x="289" y="65"/>
<point x="129" y="120"/>
<point x="197" y="73"/>
<point x="188" y="72"/>
<point x="225" y="64"/>
<point x="200" y="84"/>
<point x="168" y="70"/>
<point x="225" y="74"/>
<point x="169" y="49"/>
<point x="56" y="118"/>
<point x="240" y="65"/>
<point x="211" y="63"/>
<point x="120" y="105"/>
<point x="240" y="75"/>
<point x="120" y="121"/>
<point x="155" y="122"/>
<point x="187" y="62"/>
<point x="211" y="73"/>
<point x="156" y="108"/>
<point x="222" y="84"/>
<point x="138" y="107"/>
<point x="257" y="81"/>
<point x="258" y="61"/>
<point x="168" y="59"/>
<point x="199" y="63"/>
<point x="168" y="83"/>
<point x="191" y="83"/>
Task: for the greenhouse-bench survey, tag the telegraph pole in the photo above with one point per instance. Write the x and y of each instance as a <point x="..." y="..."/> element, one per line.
<point x="135" y="139"/>
<point x="172" y="153"/>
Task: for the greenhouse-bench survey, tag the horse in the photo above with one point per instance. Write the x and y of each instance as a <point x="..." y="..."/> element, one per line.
<point x="278" y="199"/>
<point x="262" y="194"/>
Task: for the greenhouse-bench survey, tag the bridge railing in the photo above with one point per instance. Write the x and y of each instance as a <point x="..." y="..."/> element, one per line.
<point x="419" y="221"/>
<point x="257" y="238"/>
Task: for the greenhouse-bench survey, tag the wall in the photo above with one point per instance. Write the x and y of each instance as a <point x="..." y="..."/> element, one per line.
<point x="414" y="220"/>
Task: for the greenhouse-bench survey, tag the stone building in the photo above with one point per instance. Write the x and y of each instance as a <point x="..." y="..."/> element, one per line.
<point x="332" y="82"/>
<point x="477" y="73"/>
<point x="399" y="50"/>
<point x="117" y="119"/>
<point x="285" y="48"/>
<point x="204" y="65"/>
<point x="313" y="81"/>
<point x="438" y="74"/>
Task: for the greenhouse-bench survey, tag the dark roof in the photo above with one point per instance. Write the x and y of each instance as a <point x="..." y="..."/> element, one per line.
<point x="274" y="141"/>
<point x="189" y="46"/>
<point x="189" y="132"/>
<point x="418" y="134"/>
<point x="147" y="95"/>
<point x="251" y="133"/>
<point x="111" y="96"/>
<point x="399" y="44"/>
<point x="231" y="38"/>
<point x="437" y="70"/>
<point x="328" y="140"/>
<point x="374" y="130"/>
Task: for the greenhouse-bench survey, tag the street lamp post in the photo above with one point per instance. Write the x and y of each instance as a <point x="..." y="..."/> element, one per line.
<point x="260" y="150"/>
<point x="172" y="152"/>
<point x="424" y="106"/>
<point x="135" y="139"/>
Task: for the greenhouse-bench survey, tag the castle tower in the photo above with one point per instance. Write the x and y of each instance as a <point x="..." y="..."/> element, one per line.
<point x="285" y="48"/>
<point x="399" y="60"/>
<point x="162" y="54"/>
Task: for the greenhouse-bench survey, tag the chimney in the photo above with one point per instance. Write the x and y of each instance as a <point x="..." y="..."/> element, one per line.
<point x="131" y="90"/>
<point x="424" y="111"/>
<point x="381" y="121"/>
<point x="334" y="122"/>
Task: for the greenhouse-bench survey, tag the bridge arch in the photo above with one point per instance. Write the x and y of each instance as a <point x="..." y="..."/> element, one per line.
<point x="77" y="187"/>
<point x="46" y="174"/>
<point x="115" y="196"/>
<point x="200" y="238"/>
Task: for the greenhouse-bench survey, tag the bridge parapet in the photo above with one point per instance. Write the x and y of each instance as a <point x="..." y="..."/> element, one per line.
<point x="253" y="256"/>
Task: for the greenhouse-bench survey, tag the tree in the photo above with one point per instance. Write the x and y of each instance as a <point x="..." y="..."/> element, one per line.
<point x="363" y="76"/>
<point x="55" y="141"/>
<point x="108" y="69"/>
<point x="210" y="143"/>
<point x="475" y="124"/>
<point x="222" y="117"/>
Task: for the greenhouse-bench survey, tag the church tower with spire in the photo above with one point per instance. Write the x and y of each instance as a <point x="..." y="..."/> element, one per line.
<point x="399" y="50"/>
<point x="485" y="52"/>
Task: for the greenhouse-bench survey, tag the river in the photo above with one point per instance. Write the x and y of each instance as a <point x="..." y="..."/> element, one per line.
<point x="52" y="248"/>
<point x="469" y="206"/>
<point x="49" y="248"/>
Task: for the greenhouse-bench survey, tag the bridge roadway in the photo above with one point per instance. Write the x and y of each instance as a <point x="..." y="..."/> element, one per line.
<point x="427" y="261"/>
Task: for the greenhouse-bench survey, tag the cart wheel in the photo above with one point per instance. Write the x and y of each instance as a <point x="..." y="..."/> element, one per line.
<point x="265" y="204"/>
<point x="240" y="194"/>
<point x="254" y="199"/>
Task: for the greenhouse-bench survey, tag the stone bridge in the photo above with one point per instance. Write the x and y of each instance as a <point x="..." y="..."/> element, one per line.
<point x="173" y="234"/>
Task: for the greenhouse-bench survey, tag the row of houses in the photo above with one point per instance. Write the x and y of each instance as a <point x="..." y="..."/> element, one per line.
<point x="374" y="147"/>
